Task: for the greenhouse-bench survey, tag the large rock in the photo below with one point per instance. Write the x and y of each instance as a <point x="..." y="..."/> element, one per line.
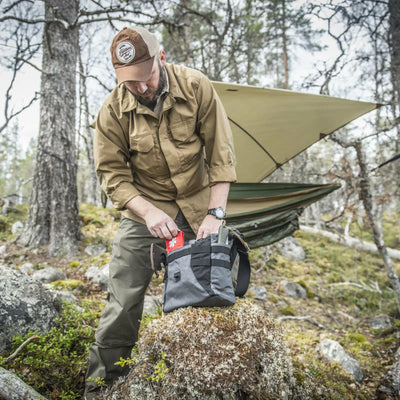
<point x="150" y="305"/>
<point x="333" y="351"/>
<point x="99" y="275"/>
<point x="13" y="388"/>
<point x="258" y="292"/>
<point x="381" y="322"/>
<point x="27" y="268"/>
<point x="212" y="353"/>
<point x="294" y="290"/>
<point x="49" y="274"/>
<point x="290" y="248"/>
<point x="95" y="250"/>
<point x="25" y="305"/>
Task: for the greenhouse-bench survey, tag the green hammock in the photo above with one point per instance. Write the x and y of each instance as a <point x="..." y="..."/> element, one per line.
<point x="267" y="212"/>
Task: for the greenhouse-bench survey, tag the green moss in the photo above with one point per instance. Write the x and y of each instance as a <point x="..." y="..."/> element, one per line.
<point x="75" y="264"/>
<point x="357" y="337"/>
<point x="69" y="284"/>
<point x="288" y="310"/>
<point x="273" y="299"/>
<point x="98" y="261"/>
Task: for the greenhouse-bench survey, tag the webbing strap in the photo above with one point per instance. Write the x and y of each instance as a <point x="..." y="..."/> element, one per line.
<point x="243" y="278"/>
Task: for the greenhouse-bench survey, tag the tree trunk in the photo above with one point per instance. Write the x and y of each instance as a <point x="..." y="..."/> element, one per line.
<point x="394" y="44"/>
<point x="365" y="194"/>
<point x="53" y="216"/>
<point x="87" y="134"/>
<point x="284" y="47"/>
<point x="394" y="35"/>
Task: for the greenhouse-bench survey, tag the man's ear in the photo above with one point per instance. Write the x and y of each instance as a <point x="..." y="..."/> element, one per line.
<point x="162" y="57"/>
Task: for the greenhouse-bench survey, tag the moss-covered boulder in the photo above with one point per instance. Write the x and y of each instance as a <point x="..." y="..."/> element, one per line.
<point x="210" y="353"/>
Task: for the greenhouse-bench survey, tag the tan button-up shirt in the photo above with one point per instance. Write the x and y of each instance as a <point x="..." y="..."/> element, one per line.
<point x="170" y="159"/>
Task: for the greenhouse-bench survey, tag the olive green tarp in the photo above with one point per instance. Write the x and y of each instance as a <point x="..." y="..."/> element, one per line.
<point x="267" y="212"/>
<point x="270" y="127"/>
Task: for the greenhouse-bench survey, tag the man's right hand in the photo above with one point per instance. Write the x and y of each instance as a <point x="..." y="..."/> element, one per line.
<point x="159" y="223"/>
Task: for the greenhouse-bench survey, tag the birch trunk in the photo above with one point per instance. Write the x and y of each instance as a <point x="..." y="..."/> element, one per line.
<point x="53" y="215"/>
<point x="366" y="197"/>
<point x="394" y="42"/>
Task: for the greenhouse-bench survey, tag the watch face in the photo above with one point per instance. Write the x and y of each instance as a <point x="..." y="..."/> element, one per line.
<point x="219" y="213"/>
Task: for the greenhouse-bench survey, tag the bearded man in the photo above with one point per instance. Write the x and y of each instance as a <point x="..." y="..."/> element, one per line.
<point x="164" y="155"/>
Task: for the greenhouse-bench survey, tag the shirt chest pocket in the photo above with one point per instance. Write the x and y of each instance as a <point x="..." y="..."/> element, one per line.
<point x="185" y="138"/>
<point x="183" y="129"/>
<point x="142" y="143"/>
<point x="144" y="155"/>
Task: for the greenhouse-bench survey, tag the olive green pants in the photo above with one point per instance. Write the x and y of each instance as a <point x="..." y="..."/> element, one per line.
<point x="130" y="275"/>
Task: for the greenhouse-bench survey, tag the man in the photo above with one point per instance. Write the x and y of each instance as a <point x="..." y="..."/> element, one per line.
<point x="164" y="154"/>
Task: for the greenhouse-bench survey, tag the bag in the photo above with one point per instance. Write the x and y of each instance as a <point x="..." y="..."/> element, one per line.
<point x="208" y="272"/>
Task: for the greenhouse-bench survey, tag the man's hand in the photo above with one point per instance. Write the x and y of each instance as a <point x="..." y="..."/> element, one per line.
<point x="159" y="223"/>
<point x="209" y="225"/>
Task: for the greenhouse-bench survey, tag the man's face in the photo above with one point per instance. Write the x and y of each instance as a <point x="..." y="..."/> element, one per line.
<point x="146" y="91"/>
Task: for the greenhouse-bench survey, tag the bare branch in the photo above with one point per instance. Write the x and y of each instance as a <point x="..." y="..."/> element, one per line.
<point x="25" y="61"/>
<point x="97" y="79"/>
<point x="304" y="318"/>
<point x="20" y="348"/>
<point x="15" y="4"/>
<point x="16" y="113"/>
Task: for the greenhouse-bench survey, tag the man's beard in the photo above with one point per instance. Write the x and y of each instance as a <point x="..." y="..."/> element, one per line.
<point x="151" y="103"/>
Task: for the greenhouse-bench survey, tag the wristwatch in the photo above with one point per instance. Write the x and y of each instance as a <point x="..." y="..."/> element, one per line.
<point x="218" y="212"/>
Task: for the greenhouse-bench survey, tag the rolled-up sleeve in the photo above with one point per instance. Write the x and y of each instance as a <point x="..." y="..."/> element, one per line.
<point x="215" y="131"/>
<point x="111" y="157"/>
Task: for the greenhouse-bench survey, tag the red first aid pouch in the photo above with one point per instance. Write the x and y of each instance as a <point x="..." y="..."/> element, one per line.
<point x="175" y="242"/>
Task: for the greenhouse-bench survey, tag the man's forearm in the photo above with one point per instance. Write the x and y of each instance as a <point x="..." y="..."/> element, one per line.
<point x="219" y="195"/>
<point x="140" y="206"/>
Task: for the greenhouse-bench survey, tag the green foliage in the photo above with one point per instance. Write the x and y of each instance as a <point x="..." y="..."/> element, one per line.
<point x="99" y="381"/>
<point x="126" y="361"/>
<point x="55" y="363"/>
<point x="160" y="369"/>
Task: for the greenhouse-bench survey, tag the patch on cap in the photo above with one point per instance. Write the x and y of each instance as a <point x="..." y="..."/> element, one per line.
<point x="125" y="52"/>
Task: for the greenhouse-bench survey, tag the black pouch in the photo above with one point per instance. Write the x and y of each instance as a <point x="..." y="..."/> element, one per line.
<point x="207" y="272"/>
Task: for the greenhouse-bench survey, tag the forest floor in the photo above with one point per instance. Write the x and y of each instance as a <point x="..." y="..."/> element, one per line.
<point x="332" y="309"/>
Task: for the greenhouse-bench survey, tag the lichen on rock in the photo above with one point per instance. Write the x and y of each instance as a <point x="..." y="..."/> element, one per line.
<point x="210" y="353"/>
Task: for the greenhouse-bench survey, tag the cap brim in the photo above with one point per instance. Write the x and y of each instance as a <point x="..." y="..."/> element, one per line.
<point x="136" y="72"/>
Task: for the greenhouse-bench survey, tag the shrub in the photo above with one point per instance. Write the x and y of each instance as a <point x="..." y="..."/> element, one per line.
<point x="55" y="363"/>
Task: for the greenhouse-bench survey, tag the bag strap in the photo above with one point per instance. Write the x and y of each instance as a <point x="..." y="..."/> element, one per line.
<point x="244" y="272"/>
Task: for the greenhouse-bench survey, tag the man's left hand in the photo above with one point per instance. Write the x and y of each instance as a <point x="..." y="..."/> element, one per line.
<point x="209" y="225"/>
